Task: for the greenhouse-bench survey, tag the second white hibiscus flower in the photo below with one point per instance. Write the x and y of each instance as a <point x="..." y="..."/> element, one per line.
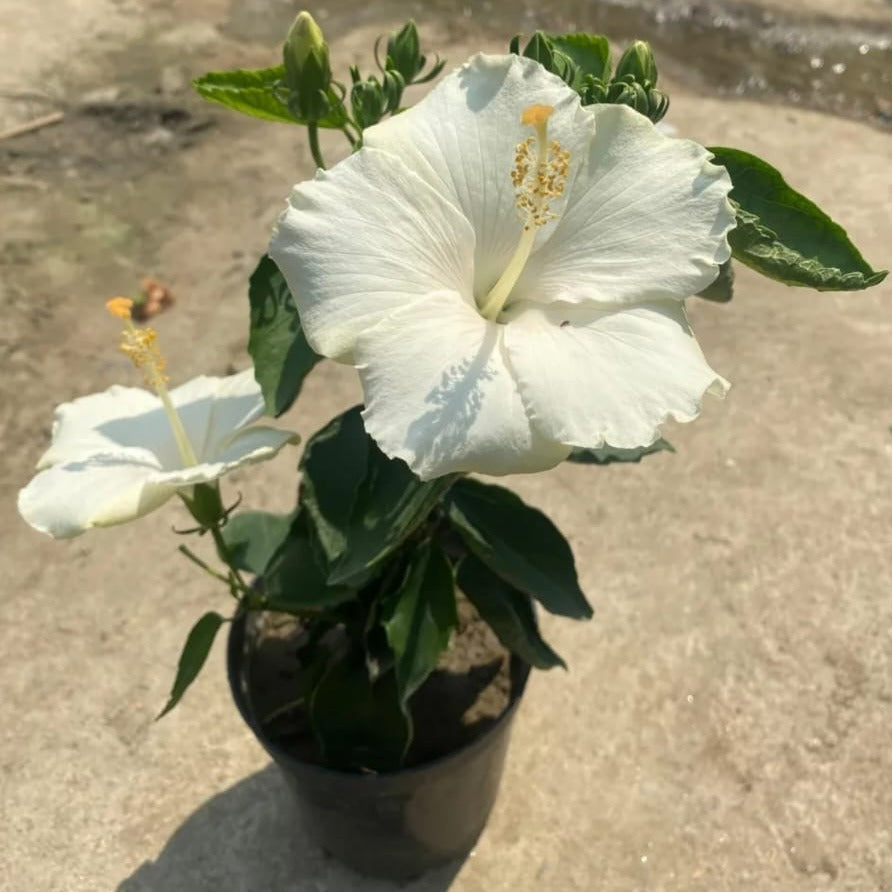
<point x="507" y="270"/>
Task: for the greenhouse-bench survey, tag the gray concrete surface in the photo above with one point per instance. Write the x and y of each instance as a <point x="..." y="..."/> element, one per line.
<point x="726" y="719"/>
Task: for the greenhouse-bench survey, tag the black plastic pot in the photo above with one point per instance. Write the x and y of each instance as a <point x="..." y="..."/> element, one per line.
<point x="394" y="825"/>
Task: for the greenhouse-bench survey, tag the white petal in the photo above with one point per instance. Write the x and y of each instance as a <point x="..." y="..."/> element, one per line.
<point x="594" y="375"/>
<point x="102" y="490"/>
<point x="440" y="396"/>
<point x="462" y="139"/>
<point x="245" y="447"/>
<point x="363" y="239"/>
<point x="103" y="422"/>
<point x="212" y="409"/>
<point x="647" y="218"/>
<point x="111" y="488"/>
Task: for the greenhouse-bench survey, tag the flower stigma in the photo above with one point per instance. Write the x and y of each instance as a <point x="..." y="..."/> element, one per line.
<point x="140" y="345"/>
<point x="539" y="175"/>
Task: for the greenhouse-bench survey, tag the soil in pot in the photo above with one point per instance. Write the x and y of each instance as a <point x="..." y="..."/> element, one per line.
<point x="460" y="700"/>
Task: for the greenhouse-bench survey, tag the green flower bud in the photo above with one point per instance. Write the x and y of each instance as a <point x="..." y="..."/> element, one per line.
<point x="637" y="64"/>
<point x="204" y="504"/>
<point x="368" y="102"/>
<point x="659" y="105"/>
<point x="307" y="69"/>
<point x="540" y="48"/>
<point x="404" y="52"/>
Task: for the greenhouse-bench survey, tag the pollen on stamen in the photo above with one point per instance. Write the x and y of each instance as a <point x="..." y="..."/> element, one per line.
<point x="141" y="347"/>
<point x="540" y="170"/>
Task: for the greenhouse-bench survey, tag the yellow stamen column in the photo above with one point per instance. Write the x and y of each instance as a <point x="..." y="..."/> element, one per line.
<point x="537" y="179"/>
<point x="140" y="344"/>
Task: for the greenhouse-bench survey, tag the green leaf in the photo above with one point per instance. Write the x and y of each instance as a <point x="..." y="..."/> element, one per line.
<point x="261" y="93"/>
<point x="359" y="723"/>
<point x="419" y="618"/>
<point x="252" y="537"/>
<point x="252" y="92"/>
<point x="390" y="505"/>
<point x="195" y="652"/>
<point x="508" y="612"/>
<point x="721" y="290"/>
<point x="590" y="52"/>
<point x="333" y="466"/>
<point x="277" y="344"/>
<point x="518" y="543"/>
<point x="607" y="455"/>
<point x="293" y="579"/>
<point x="784" y="236"/>
<point x="362" y="503"/>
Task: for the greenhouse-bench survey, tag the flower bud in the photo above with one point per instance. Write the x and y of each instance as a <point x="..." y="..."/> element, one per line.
<point x="305" y="39"/>
<point x="404" y="52"/>
<point x="368" y="102"/>
<point x="307" y="68"/>
<point x="204" y="504"/>
<point x="637" y="64"/>
<point x="659" y="105"/>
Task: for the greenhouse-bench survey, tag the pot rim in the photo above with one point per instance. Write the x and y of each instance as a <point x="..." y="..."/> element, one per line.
<point x="519" y="670"/>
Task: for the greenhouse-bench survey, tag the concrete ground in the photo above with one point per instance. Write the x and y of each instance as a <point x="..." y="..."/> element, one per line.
<point x="725" y="723"/>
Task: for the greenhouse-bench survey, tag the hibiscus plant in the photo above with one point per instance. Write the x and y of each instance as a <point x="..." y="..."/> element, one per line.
<point x="505" y="264"/>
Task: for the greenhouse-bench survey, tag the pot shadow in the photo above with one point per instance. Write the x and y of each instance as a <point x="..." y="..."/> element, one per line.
<point x="250" y="838"/>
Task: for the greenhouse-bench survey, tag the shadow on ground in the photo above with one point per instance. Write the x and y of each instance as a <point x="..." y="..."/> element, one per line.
<point x="250" y="838"/>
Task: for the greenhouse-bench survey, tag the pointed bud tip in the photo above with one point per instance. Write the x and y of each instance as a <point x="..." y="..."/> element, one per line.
<point x="304" y="37"/>
<point x="638" y="62"/>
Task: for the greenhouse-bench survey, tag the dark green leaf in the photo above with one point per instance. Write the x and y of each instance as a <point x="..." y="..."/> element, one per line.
<point x="359" y="724"/>
<point x="607" y="455"/>
<point x="333" y="466"/>
<point x="590" y="52"/>
<point x="195" y="652"/>
<point x="252" y="537"/>
<point x="282" y="357"/>
<point x="518" y="543"/>
<point x="390" y="505"/>
<point x="784" y="236"/>
<point x="721" y="290"/>
<point x="508" y="612"/>
<point x="261" y="93"/>
<point x="362" y="503"/>
<point x="294" y="581"/>
<point x="419" y="617"/>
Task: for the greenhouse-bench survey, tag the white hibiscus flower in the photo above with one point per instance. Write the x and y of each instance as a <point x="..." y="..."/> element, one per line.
<point x="507" y="270"/>
<point x="122" y="453"/>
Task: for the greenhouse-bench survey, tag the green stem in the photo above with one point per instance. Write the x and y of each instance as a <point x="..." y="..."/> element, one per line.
<point x="237" y="582"/>
<point x="315" y="151"/>
<point x="204" y="566"/>
<point x="353" y="140"/>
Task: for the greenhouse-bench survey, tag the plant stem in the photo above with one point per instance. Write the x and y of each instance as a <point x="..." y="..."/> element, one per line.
<point x="204" y="566"/>
<point x="315" y="151"/>
<point x="236" y="580"/>
<point x="350" y="137"/>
